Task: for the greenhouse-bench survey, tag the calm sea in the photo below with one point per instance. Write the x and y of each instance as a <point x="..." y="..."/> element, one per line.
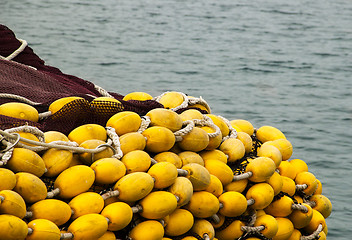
<point x="282" y="63"/>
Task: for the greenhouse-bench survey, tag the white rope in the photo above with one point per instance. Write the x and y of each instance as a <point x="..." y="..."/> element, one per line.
<point x="44" y="115"/>
<point x="17" y="51"/>
<point x="299" y="207"/>
<point x="200" y="100"/>
<point x="28" y="129"/>
<point x="189" y="127"/>
<point x="301" y="187"/>
<point x="252" y="229"/>
<point x="242" y="176"/>
<point x="314" y="235"/>
<point x="232" y="133"/>
<point x="102" y="91"/>
<point x="19" y="98"/>
<point x="184" y="104"/>
<point x="115" y="142"/>
<point x="206" y="121"/>
<point x="144" y="124"/>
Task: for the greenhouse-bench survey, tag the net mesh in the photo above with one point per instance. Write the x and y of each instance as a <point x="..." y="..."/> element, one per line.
<point x="45" y="84"/>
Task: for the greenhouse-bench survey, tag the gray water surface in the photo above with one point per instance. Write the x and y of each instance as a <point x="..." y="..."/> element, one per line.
<point x="282" y="63"/>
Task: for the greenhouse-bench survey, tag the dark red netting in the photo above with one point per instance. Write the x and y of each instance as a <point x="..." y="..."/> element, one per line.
<point x="45" y="84"/>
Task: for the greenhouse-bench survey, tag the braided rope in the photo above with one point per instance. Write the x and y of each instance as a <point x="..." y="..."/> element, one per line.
<point x="184" y="131"/>
<point x="301" y="187"/>
<point x="200" y="100"/>
<point x="233" y="132"/>
<point x="102" y="91"/>
<point x="311" y="203"/>
<point x="314" y="235"/>
<point x="115" y="142"/>
<point x="208" y="122"/>
<point x="184" y="104"/>
<point x="17" y="51"/>
<point x="144" y="124"/>
<point x="242" y="176"/>
<point x="299" y="207"/>
<point x="252" y="229"/>
<point x="28" y="129"/>
<point x="19" y="98"/>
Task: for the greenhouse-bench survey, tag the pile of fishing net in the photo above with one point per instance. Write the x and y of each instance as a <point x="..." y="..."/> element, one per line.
<point x="78" y="162"/>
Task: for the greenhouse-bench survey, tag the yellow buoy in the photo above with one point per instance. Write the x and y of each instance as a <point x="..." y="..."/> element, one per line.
<point x="190" y="157"/>
<point x="246" y="140"/>
<point x="125" y="122"/>
<point x="183" y="189"/>
<point x="319" y="189"/>
<point x="221" y="170"/>
<point x="180" y="222"/>
<point x="171" y="99"/>
<point x="87" y="132"/>
<point x="203" y="204"/>
<point x="270" y="151"/>
<point x="214" y="154"/>
<point x="296" y="235"/>
<point x="132" y="141"/>
<point x="299" y="218"/>
<point x="74" y="180"/>
<point x="299" y="165"/>
<point x="214" y="142"/>
<point x="134" y="186"/>
<point x="322" y="204"/>
<point x="241" y="125"/>
<point x="85" y="203"/>
<point x="56" y="161"/>
<point x="262" y="169"/>
<point x="232" y="231"/>
<point x="286" y="169"/>
<point x="169" y="157"/>
<point x="55" y="210"/>
<point x="147" y="230"/>
<point x="43" y="229"/>
<point x="12" y="203"/>
<point x="191" y="114"/>
<point x="108" y="170"/>
<point x="108" y="236"/>
<point x="7" y="179"/>
<point x="281" y="207"/>
<point x="25" y="160"/>
<point x="196" y="140"/>
<point x="89" y="226"/>
<point x="139" y="96"/>
<point x="164" y="174"/>
<point x="19" y="110"/>
<point x="89" y="158"/>
<point x="233" y="203"/>
<point x="119" y="214"/>
<point x="284" y="146"/>
<point x="30" y="187"/>
<point x="237" y="186"/>
<point x="215" y="187"/>
<point x="198" y="175"/>
<point x="203" y="228"/>
<point x="165" y="118"/>
<point x="309" y="179"/>
<point x="262" y="194"/>
<point x="158" y="204"/>
<point x="159" y="139"/>
<point x="270" y="225"/>
<point x="12" y="228"/>
<point x="136" y="161"/>
<point x="51" y="136"/>
<point x="233" y="148"/>
<point x="61" y="102"/>
<point x="220" y="123"/>
<point x="285" y="229"/>
<point x="269" y="133"/>
<point x="288" y="186"/>
<point x="275" y="182"/>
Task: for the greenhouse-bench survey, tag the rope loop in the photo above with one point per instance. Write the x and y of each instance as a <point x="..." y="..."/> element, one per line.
<point x="144" y="124"/>
<point x="17" y="51"/>
<point x="28" y="129"/>
<point x="257" y="229"/>
<point x="314" y="235"/>
<point x="184" y="131"/>
<point x="233" y="132"/>
<point x="184" y="104"/>
<point x="115" y="145"/>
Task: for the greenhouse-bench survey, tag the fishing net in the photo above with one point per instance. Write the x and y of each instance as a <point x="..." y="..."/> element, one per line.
<point x="27" y="79"/>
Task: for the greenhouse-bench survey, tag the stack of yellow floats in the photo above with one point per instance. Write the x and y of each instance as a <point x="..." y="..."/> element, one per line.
<point x="168" y="183"/>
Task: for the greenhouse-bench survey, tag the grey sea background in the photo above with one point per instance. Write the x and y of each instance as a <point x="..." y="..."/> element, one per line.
<point x="287" y="64"/>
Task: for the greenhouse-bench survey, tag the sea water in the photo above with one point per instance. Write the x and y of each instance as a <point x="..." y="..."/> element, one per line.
<point x="282" y="63"/>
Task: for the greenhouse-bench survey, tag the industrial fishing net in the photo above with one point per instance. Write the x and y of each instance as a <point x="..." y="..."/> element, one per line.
<point x="78" y="162"/>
